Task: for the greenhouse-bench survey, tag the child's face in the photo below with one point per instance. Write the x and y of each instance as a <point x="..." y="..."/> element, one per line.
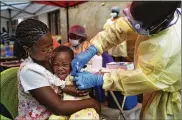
<point x="62" y="64"/>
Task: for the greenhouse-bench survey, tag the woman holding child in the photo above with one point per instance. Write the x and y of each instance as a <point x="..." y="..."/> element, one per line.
<point x="38" y="87"/>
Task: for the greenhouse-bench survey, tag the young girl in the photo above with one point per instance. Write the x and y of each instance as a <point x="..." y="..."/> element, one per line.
<point x="37" y="86"/>
<point x="62" y="57"/>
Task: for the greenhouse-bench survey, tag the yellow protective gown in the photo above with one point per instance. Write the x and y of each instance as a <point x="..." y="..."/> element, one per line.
<point x="119" y="50"/>
<point x="157" y="71"/>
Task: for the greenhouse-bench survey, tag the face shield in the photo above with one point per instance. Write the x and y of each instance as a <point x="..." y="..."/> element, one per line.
<point x="138" y="26"/>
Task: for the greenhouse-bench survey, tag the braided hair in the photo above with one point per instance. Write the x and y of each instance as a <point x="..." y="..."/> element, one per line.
<point x="28" y="33"/>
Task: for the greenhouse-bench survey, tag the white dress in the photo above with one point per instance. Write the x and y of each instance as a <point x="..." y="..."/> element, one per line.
<point x="32" y="76"/>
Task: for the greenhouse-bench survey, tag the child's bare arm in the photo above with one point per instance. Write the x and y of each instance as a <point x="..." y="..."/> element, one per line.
<point x="71" y="90"/>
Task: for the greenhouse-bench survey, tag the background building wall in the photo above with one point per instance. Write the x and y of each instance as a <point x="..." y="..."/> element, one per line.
<point x="91" y="15"/>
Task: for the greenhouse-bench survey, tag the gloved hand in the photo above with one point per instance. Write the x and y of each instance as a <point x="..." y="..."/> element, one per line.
<point x="86" y="80"/>
<point x="82" y="58"/>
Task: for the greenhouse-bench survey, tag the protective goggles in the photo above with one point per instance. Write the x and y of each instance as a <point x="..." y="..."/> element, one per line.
<point x="136" y="24"/>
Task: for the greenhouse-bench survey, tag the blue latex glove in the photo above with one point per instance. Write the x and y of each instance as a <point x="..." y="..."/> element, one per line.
<point x="82" y="58"/>
<point x="86" y="80"/>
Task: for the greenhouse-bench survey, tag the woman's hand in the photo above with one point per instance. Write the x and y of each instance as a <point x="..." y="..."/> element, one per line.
<point x="71" y="90"/>
<point x="96" y="105"/>
<point x="47" y="97"/>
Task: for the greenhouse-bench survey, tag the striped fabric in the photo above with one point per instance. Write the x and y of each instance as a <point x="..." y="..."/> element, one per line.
<point x="4" y="38"/>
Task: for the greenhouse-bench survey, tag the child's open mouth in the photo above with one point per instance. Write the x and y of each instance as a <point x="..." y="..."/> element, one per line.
<point x="62" y="76"/>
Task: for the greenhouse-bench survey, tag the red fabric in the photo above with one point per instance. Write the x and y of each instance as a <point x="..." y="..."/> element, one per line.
<point x="78" y="30"/>
<point x="55" y="43"/>
<point x="61" y="3"/>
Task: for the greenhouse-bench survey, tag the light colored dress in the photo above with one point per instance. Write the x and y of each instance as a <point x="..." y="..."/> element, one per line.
<point x="85" y="114"/>
<point x="32" y="76"/>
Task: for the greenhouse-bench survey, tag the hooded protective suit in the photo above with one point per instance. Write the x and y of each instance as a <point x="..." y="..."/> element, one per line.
<point x="157" y="71"/>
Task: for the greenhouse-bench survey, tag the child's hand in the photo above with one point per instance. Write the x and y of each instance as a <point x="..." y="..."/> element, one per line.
<point x="82" y="92"/>
<point x="72" y="90"/>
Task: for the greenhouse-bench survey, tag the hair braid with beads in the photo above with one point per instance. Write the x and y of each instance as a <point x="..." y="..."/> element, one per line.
<point x="28" y="32"/>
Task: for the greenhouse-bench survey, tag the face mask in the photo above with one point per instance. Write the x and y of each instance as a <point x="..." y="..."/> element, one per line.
<point x="113" y="15"/>
<point x="73" y="42"/>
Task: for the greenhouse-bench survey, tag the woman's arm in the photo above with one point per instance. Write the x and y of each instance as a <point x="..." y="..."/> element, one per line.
<point x="34" y="81"/>
<point x="47" y="97"/>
